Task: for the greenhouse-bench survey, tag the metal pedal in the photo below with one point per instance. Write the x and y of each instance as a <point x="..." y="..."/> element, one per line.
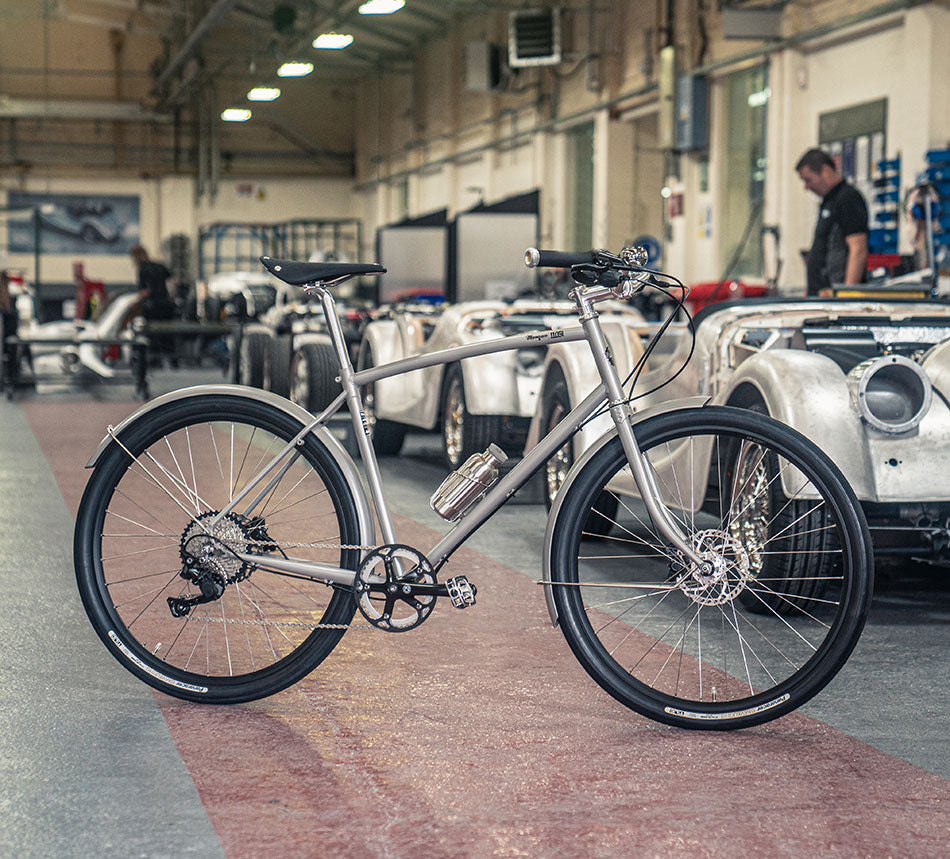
<point x="461" y="591"/>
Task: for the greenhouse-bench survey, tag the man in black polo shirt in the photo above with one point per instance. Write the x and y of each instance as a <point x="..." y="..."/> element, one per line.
<point x="839" y="251"/>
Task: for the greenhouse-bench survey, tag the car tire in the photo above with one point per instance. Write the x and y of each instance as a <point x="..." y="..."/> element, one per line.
<point x="462" y="432"/>
<point x="313" y="375"/>
<point x="277" y="369"/>
<point x="252" y="353"/>
<point x="807" y="531"/>
<point x="555" y="404"/>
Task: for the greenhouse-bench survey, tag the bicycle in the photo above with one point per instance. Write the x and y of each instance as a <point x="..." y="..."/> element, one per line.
<point x="225" y="541"/>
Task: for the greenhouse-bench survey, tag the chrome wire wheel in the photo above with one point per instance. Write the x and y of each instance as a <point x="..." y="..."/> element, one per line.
<point x="751" y="505"/>
<point x="299" y="380"/>
<point x="557" y="467"/>
<point x="453" y="421"/>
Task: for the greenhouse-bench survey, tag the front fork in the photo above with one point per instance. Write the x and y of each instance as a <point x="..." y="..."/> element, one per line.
<point x="620" y="413"/>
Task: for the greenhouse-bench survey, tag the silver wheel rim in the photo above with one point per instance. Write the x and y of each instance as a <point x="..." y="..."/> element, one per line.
<point x="750" y="490"/>
<point x="454" y="422"/>
<point x="560" y="463"/>
<point x="299" y="383"/>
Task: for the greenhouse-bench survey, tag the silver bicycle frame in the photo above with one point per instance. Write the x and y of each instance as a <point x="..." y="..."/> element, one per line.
<point x="609" y="392"/>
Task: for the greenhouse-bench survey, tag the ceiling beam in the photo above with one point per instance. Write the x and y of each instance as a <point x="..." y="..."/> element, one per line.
<point x="215" y="15"/>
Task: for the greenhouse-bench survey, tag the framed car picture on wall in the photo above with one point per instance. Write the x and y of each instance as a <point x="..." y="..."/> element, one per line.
<point x="73" y="223"/>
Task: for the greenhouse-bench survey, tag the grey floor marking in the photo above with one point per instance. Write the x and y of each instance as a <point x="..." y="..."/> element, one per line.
<point x="87" y="764"/>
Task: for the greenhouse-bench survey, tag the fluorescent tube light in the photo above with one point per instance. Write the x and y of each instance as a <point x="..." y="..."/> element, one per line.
<point x="381" y="7"/>
<point x="263" y="93"/>
<point x="333" y="41"/>
<point x="294" y="70"/>
<point x="236" y="114"/>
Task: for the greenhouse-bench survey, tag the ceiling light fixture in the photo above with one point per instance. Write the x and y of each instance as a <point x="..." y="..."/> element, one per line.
<point x="333" y="41"/>
<point x="381" y="7"/>
<point x="294" y="70"/>
<point x="236" y="114"/>
<point x="263" y="93"/>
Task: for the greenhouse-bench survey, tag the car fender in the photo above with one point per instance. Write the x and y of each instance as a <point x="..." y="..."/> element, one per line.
<point x="298" y="413"/>
<point x="809" y="392"/>
<point x="403" y="398"/>
<point x="492" y="387"/>
<point x="578" y="467"/>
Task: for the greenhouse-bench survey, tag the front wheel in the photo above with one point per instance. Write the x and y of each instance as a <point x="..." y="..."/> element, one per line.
<point x="677" y="643"/>
<point x="148" y="542"/>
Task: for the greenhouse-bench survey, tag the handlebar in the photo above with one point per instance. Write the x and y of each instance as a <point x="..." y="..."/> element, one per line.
<point x="533" y="258"/>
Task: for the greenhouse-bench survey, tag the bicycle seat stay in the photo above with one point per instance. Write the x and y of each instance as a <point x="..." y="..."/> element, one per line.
<point x="300" y="273"/>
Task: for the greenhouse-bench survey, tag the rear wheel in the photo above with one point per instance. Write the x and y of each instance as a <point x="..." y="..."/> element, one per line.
<point x="147" y="545"/>
<point x="675" y="642"/>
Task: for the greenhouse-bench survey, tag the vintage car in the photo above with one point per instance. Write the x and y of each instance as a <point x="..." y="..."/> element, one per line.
<point x="288" y="351"/>
<point x="99" y="347"/>
<point x="868" y="380"/>
<point x="478" y="400"/>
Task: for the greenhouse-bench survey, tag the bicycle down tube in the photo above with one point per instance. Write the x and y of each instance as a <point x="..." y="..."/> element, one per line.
<point x="351" y="382"/>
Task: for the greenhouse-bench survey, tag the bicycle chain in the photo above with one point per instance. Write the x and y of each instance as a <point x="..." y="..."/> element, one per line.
<point x="290" y="623"/>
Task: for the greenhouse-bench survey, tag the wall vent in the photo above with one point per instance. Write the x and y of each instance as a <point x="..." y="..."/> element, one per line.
<point x="534" y="38"/>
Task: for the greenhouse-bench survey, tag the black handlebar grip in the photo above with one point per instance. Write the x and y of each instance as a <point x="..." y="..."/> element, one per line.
<point x="533" y="258"/>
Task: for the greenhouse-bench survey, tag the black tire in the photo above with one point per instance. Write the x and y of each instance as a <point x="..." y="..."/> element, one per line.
<point x="462" y="432"/>
<point x="555" y="404"/>
<point x="252" y="355"/>
<point x="313" y="372"/>
<point x="277" y="368"/>
<point x="131" y="538"/>
<point x="388" y="436"/>
<point x="675" y="646"/>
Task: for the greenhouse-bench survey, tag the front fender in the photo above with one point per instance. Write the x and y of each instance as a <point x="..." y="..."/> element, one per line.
<point x="809" y="392"/>
<point x="578" y="467"/>
<point x="298" y="413"/>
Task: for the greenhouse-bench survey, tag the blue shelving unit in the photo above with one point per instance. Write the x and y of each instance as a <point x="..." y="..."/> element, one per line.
<point x="937" y="173"/>
<point x="885" y="203"/>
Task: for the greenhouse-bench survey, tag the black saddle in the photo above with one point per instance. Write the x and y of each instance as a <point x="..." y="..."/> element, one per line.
<point x="299" y="273"/>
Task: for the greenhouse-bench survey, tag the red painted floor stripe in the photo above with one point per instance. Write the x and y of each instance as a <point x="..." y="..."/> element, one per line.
<point x="478" y="734"/>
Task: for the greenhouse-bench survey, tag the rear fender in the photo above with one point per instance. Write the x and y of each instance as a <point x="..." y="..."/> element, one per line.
<point x="298" y="413"/>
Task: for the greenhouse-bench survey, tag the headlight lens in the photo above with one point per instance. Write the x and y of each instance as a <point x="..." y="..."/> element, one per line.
<point x="892" y="393"/>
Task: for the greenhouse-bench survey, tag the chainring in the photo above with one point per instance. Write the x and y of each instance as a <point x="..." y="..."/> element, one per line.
<point x="386" y="588"/>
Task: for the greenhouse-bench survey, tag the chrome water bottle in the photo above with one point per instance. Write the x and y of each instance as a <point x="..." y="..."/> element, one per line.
<point x="468" y="482"/>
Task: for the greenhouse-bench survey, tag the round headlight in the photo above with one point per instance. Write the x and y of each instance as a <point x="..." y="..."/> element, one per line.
<point x="892" y="393"/>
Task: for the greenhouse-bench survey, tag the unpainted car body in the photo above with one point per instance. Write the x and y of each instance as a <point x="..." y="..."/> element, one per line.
<point x="478" y="400"/>
<point x="867" y="380"/>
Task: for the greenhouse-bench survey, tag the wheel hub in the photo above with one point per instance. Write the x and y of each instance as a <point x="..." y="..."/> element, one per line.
<point x="204" y="544"/>
<point x="729" y="569"/>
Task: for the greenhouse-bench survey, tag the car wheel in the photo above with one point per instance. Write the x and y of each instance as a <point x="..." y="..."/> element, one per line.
<point x="313" y="376"/>
<point x="555" y="404"/>
<point x="388" y="436"/>
<point x="769" y="521"/>
<point x="277" y="367"/>
<point x="252" y="355"/>
<point x="462" y="432"/>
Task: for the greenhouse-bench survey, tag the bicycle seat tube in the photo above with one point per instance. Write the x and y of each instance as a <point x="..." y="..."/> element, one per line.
<point x="358" y="416"/>
<point x="585" y="298"/>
